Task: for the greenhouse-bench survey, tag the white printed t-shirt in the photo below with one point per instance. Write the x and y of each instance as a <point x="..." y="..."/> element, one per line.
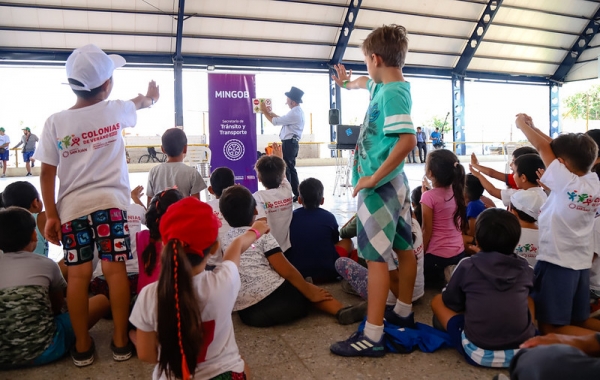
<point x="216" y="291"/>
<point x="136" y="216"/>
<point x="276" y="206"/>
<point x="88" y="150"/>
<point x="566" y="220"/>
<point x="218" y="256"/>
<point x="505" y="194"/>
<point x="259" y="279"/>
<point x="595" y="271"/>
<point x="419" y="289"/>
<point x="529" y="245"/>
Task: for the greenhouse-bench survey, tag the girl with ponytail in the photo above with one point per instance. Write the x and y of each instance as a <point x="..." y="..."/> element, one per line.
<point x="184" y="321"/>
<point x="148" y="241"/>
<point x="443" y="214"/>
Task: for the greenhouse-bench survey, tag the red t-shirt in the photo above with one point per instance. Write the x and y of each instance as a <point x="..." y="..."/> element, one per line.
<point x="510" y="181"/>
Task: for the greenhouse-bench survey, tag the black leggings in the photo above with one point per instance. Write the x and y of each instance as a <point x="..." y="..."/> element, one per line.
<point x="285" y="304"/>
<point x="433" y="268"/>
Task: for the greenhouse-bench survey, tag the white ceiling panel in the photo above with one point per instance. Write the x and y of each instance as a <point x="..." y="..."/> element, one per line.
<point x="512" y="67"/>
<point x="570" y="7"/>
<point x="99" y="20"/>
<point x="253" y="49"/>
<point x="539" y="20"/>
<point x="497" y="50"/>
<point x="590" y="53"/>
<point x="444" y="8"/>
<point x="595" y="41"/>
<point x="503" y="33"/>
<point x="581" y="71"/>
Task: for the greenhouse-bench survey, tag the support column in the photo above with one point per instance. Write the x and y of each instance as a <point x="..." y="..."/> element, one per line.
<point x="555" y="127"/>
<point x="458" y="113"/>
<point x="335" y="101"/>
<point x="178" y="70"/>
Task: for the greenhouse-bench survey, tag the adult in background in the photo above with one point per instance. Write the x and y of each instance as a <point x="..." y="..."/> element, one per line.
<point x="28" y="140"/>
<point x="422" y="144"/>
<point x="436" y="139"/>
<point x="291" y="132"/>
<point x="4" y="142"/>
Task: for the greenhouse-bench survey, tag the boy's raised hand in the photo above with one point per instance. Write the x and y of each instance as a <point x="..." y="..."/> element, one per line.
<point x="261" y="226"/>
<point x="523" y="120"/>
<point x="277" y="150"/>
<point x="153" y="91"/>
<point x="474" y="160"/>
<point x="342" y="75"/>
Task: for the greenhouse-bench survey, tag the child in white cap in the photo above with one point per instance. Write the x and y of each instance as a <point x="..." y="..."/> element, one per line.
<point x="84" y="147"/>
<point x="526" y="205"/>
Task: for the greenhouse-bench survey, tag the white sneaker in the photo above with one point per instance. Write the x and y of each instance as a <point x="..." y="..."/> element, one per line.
<point x="3" y="176"/>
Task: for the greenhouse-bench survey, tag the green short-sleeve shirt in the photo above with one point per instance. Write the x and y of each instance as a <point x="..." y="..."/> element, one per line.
<point x="387" y="118"/>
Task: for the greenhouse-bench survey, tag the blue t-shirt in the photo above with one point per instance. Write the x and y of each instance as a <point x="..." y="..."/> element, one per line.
<point x="435" y="136"/>
<point x="474" y="208"/>
<point x="313" y="234"/>
<point x="387" y="118"/>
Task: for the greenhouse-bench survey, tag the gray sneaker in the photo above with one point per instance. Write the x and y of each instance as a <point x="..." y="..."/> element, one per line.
<point x="352" y="314"/>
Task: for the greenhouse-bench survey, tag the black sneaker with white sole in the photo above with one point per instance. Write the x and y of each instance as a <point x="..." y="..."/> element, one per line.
<point x="83" y="359"/>
<point x="121" y="354"/>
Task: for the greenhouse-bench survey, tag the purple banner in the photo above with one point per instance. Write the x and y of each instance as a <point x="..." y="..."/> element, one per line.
<point x="232" y="125"/>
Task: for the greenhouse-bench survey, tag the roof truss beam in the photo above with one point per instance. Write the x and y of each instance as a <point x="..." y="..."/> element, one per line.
<point x="581" y="43"/>
<point x="346" y="31"/>
<point x="490" y="11"/>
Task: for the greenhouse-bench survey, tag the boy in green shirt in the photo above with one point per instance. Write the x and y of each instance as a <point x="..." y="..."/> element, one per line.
<point x="384" y="221"/>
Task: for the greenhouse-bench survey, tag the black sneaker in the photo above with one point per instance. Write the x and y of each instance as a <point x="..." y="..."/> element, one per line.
<point x="396" y="320"/>
<point x="352" y="314"/>
<point x="28" y="174"/>
<point x="359" y="345"/>
<point x="121" y="354"/>
<point x="295" y="199"/>
<point x="83" y="359"/>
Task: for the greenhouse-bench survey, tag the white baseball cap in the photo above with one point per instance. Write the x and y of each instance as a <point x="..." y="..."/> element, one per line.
<point x="529" y="201"/>
<point x="91" y="66"/>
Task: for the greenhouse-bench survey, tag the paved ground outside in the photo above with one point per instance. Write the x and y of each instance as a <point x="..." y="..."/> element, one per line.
<point x="299" y="350"/>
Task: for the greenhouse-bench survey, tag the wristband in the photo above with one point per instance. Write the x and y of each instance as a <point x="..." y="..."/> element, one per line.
<point x="152" y="101"/>
<point x="257" y="232"/>
<point x="345" y="83"/>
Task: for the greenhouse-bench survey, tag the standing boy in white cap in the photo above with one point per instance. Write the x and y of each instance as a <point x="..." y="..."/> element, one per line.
<point x="84" y="147"/>
<point x="526" y="205"/>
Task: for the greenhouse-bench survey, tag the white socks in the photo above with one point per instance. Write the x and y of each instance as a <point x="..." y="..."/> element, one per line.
<point x="402" y="309"/>
<point x="373" y="332"/>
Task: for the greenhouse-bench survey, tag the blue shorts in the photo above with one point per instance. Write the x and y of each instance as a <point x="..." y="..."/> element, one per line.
<point x="455" y="328"/>
<point x="27" y="155"/>
<point x="4" y="156"/>
<point x="64" y="339"/>
<point x="561" y="295"/>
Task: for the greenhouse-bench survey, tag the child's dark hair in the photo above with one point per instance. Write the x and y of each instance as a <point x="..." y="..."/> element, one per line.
<point x="497" y="230"/>
<point x="311" y="191"/>
<point x="528" y="165"/>
<point x="577" y="149"/>
<point x="447" y="171"/>
<point x="524" y="150"/>
<point x="271" y="171"/>
<point x="473" y="187"/>
<point x="16" y="227"/>
<point x="85" y="94"/>
<point x="20" y="194"/>
<point x="237" y="206"/>
<point x="158" y="206"/>
<point x="176" y="288"/>
<point x="220" y="179"/>
<point x="415" y="199"/>
<point x="521" y="215"/>
<point x="173" y="141"/>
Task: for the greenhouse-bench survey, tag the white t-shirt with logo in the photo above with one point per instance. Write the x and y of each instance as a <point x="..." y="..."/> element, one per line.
<point x="259" y="279"/>
<point x="218" y="256"/>
<point x="419" y="289"/>
<point x="529" y="245"/>
<point x="505" y="194"/>
<point x="276" y="206"/>
<point x="88" y="150"/>
<point x="566" y="220"/>
<point x="216" y="291"/>
<point x="595" y="271"/>
<point x="136" y="216"/>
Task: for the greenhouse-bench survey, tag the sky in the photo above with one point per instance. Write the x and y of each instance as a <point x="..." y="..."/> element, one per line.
<point x="33" y="93"/>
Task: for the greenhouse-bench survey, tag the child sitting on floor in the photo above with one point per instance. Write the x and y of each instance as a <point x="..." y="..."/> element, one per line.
<point x="184" y="321"/>
<point x="507" y="178"/>
<point x="273" y="291"/>
<point x="148" y="241"/>
<point x="526" y="206"/>
<point x="314" y="236"/>
<point x="485" y="307"/>
<point x="32" y="329"/>
<point x="174" y="173"/>
<point x="475" y="206"/>
<point x="275" y="202"/>
<point x="220" y="179"/>
<point x="525" y="176"/>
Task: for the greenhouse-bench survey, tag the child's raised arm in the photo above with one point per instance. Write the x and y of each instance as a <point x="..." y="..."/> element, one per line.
<point x="344" y="77"/>
<point x="151" y="97"/>
<point x="243" y="242"/>
<point x="539" y="140"/>
<point x="485" y="170"/>
<point x="487" y="185"/>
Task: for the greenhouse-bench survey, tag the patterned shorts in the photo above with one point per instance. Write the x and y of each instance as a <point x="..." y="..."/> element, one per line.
<point x="384" y="221"/>
<point x="106" y="228"/>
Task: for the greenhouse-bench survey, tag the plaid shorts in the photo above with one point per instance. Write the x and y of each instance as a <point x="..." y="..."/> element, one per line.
<point x="384" y="221"/>
<point x="106" y="228"/>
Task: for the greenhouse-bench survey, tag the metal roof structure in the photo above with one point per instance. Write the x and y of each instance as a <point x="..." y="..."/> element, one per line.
<point x="536" y="41"/>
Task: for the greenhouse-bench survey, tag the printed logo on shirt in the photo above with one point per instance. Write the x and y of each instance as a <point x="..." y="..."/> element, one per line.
<point x="582" y="202"/>
<point x="526" y="248"/>
<point x="71" y="144"/>
<point x="275" y="206"/>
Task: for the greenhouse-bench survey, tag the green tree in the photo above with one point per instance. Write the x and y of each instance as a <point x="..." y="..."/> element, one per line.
<point x="444" y="123"/>
<point x="583" y="105"/>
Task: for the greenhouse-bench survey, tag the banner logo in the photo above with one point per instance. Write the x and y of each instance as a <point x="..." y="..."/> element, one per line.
<point x="234" y="149"/>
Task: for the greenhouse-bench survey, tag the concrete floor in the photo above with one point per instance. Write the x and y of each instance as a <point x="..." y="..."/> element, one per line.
<point x="296" y="351"/>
